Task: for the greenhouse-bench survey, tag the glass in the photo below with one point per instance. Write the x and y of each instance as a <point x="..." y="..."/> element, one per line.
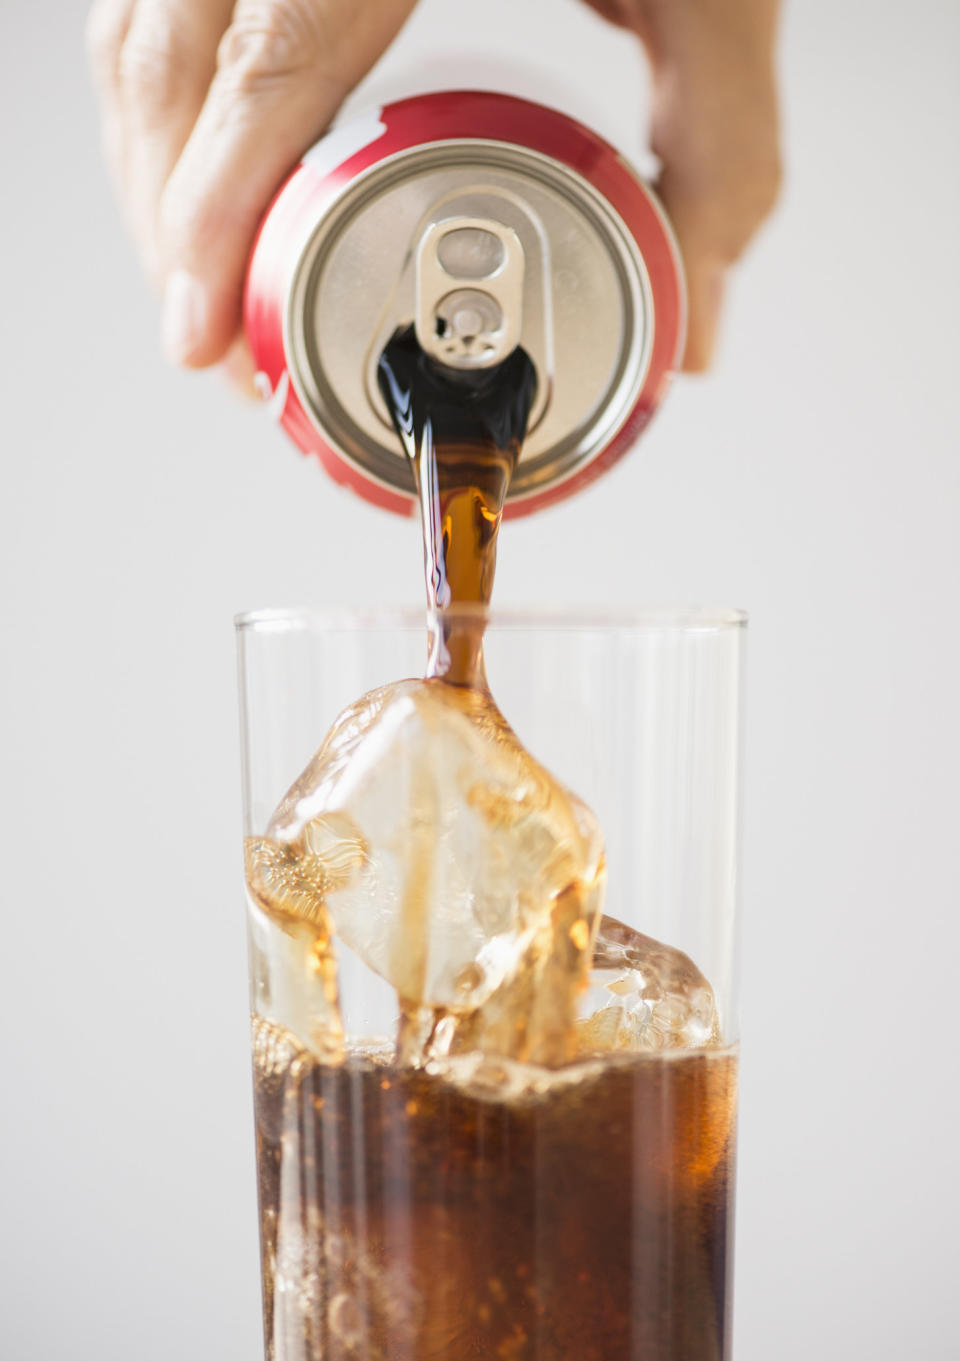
<point x="413" y="1213"/>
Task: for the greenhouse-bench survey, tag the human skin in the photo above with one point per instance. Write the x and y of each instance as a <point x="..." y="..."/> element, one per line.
<point x="206" y="104"/>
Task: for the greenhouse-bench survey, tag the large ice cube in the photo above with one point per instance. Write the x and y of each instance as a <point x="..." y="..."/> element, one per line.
<point x="451" y="862"/>
<point x="644" y="995"/>
<point x="294" y="970"/>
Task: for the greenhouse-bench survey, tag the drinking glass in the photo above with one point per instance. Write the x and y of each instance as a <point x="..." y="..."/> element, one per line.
<point x="489" y="1208"/>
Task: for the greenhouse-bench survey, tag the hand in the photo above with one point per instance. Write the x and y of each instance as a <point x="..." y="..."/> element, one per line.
<point x="206" y="105"/>
<point x="715" y="131"/>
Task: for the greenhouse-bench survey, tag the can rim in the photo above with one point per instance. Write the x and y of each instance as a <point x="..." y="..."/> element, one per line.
<point x="681" y="619"/>
<point x="446" y="117"/>
<point x="348" y="195"/>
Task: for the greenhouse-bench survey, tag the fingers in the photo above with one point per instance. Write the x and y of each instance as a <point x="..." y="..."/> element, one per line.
<point x="240" y="370"/>
<point x="165" y="68"/>
<point x="205" y="108"/>
<point x="107" y="26"/>
<point x="283" y="68"/>
<point x="153" y="61"/>
<point x="715" y="130"/>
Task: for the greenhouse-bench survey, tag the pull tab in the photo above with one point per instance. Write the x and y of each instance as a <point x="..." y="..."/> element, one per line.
<point x="469" y="306"/>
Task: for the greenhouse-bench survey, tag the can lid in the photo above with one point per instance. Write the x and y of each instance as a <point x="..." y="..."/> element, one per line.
<point x="544" y="232"/>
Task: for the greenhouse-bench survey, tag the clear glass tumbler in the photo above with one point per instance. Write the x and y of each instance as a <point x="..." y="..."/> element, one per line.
<point x="501" y="1210"/>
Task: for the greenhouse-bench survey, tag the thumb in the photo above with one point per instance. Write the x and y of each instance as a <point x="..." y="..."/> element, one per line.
<point x="283" y="69"/>
<point x="716" y="131"/>
<point x="718" y="146"/>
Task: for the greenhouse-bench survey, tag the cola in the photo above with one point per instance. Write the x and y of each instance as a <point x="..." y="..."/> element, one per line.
<point x="462" y="431"/>
<point x="538" y="1164"/>
<point x="445" y="1214"/>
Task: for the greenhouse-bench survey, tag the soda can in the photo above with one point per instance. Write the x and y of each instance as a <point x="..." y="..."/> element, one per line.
<point x="487" y="221"/>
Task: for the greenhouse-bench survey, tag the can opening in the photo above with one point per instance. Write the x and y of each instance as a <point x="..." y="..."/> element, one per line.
<point x="484" y="246"/>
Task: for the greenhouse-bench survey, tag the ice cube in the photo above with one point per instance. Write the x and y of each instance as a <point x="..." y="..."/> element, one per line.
<point x="532" y="1015"/>
<point x="644" y="995"/>
<point x="294" y="970"/>
<point x="451" y="862"/>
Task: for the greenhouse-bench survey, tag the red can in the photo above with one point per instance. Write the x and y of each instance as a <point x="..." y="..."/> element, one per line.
<point x="488" y="221"/>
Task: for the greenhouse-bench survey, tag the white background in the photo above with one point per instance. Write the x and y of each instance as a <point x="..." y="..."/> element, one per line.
<point x="814" y="478"/>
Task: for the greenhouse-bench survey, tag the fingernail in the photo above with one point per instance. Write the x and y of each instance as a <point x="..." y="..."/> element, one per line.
<point x="184" y="316"/>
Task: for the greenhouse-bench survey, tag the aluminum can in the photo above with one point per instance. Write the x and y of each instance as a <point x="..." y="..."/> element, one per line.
<point x="487" y="221"/>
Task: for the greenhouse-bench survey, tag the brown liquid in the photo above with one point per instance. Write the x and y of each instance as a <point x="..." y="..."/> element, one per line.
<point x="478" y="1207"/>
<point x="411" y="1218"/>
<point x="462" y="433"/>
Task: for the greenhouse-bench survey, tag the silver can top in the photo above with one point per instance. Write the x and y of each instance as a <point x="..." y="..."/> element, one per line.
<point x="482" y="245"/>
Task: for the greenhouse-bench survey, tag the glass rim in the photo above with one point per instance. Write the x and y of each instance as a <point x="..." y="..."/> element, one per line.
<point x="350" y="619"/>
